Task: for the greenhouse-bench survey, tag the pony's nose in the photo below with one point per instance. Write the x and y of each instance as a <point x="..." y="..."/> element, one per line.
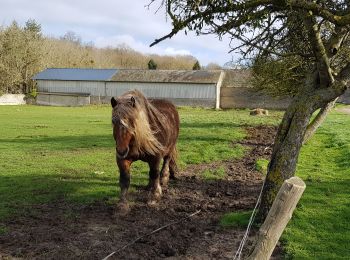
<point x="122" y="153"/>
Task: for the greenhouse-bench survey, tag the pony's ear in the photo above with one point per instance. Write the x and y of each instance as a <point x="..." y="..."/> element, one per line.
<point x="113" y="102"/>
<point x="132" y="100"/>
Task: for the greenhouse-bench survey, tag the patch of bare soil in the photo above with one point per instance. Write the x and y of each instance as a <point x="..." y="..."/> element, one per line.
<point x="63" y="231"/>
<point x="345" y="110"/>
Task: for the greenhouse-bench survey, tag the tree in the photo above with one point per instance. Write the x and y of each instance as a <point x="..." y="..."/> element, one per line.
<point x="32" y="26"/>
<point x="152" y="65"/>
<point x="33" y="53"/>
<point x="284" y="75"/>
<point x="71" y="36"/>
<point x="196" y="66"/>
<point x="213" y="66"/>
<point x="20" y="56"/>
<point x="264" y="28"/>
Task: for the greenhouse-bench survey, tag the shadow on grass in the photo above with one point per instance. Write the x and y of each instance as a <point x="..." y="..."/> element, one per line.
<point x="106" y="141"/>
<point x="20" y="192"/>
<point x="340" y="146"/>
<point x="61" y="142"/>
<point x="343" y="161"/>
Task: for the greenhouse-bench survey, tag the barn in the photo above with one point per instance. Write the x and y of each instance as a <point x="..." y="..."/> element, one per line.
<point x="206" y="88"/>
<point x="74" y="87"/>
<point x="71" y="87"/>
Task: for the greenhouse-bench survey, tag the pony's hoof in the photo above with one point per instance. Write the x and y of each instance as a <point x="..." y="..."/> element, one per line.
<point x="154" y="198"/>
<point x="152" y="202"/>
<point x="164" y="181"/>
<point x="122" y="208"/>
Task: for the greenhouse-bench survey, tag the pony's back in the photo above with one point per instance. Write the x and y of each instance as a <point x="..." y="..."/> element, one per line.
<point x="169" y="112"/>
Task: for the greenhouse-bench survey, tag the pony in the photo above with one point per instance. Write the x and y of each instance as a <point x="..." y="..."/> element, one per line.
<point x="145" y="129"/>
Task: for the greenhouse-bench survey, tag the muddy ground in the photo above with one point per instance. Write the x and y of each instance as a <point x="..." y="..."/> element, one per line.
<point x="64" y="231"/>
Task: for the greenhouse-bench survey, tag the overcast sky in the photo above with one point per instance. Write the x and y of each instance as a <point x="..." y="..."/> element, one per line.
<point x="112" y="22"/>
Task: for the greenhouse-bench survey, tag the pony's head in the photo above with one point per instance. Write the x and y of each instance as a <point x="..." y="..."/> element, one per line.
<point x="122" y="125"/>
<point x="132" y="126"/>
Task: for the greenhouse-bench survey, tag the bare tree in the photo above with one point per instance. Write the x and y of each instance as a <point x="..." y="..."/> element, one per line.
<point x="20" y="56"/>
<point x="264" y="26"/>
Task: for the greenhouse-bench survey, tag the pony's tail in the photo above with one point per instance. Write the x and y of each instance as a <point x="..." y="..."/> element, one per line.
<point x="173" y="169"/>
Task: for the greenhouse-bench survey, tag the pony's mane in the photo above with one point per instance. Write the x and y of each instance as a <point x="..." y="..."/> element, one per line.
<point x="146" y="119"/>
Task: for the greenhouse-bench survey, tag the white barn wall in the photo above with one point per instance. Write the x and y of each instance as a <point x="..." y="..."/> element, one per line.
<point x="181" y="94"/>
<point x="193" y="94"/>
<point x="164" y="90"/>
<point x="95" y="88"/>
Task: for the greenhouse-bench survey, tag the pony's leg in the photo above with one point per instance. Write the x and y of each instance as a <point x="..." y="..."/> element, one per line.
<point x="164" y="173"/>
<point x="124" y="182"/>
<point x="154" y="181"/>
<point x="173" y="168"/>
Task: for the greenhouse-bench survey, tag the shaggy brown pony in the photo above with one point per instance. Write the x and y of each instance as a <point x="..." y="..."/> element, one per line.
<point x="144" y="129"/>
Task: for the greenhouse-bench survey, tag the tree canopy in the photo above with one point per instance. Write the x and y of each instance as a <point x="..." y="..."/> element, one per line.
<point x="152" y="65"/>
<point x="196" y="66"/>
<point x="312" y="30"/>
<point x="24" y="51"/>
<point x="20" y="53"/>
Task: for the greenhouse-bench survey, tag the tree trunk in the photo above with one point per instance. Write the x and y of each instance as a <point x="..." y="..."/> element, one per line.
<point x="289" y="140"/>
<point x="317" y="121"/>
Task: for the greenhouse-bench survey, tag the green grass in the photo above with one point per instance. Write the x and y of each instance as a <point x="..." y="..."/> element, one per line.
<point x="214" y="174"/>
<point x="3" y="229"/>
<point x="57" y="153"/>
<point x="67" y="153"/>
<point x="320" y="227"/>
<point x="235" y="219"/>
<point x="261" y="165"/>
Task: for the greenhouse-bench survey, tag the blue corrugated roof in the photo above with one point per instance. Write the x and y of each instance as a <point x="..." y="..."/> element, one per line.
<point x="76" y="74"/>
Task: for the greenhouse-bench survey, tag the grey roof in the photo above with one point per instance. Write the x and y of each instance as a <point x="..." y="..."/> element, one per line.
<point x="173" y="76"/>
<point x="232" y="78"/>
<point x="237" y="78"/>
<point x="76" y="74"/>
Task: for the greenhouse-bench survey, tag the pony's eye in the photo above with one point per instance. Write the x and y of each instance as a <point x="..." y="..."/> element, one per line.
<point x="123" y="123"/>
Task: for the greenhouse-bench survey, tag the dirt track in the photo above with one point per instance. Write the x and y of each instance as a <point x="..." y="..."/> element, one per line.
<point x="63" y="231"/>
<point x="345" y="110"/>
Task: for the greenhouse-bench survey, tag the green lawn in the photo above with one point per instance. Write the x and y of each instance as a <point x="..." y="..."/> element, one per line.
<point x="60" y="153"/>
<point x="55" y="153"/>
<point x="320" y="228"/>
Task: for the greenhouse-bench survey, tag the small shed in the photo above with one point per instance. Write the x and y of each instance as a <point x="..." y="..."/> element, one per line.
<point x="238" y="92"/>
<point x="91" y="86"/>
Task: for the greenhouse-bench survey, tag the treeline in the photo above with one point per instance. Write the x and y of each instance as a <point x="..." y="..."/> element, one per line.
<point x="25" y="51"/>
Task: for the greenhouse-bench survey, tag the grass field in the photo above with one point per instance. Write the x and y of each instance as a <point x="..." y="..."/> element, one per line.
<point x="56" y="153"/>
<point x="320" y="228"/>
<point x="50" y="153"/>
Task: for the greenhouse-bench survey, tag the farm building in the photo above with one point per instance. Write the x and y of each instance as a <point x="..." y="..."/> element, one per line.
<point x="85" y="86"/>
<point x="217" y="88"/>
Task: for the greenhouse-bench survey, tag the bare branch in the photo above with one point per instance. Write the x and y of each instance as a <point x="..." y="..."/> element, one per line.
<point x="323" y="64"/>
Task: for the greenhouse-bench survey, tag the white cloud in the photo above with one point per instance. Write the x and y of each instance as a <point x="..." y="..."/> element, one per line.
<point x="115" y="41"/>
<point x="109" y="23"/>
<point x="172" y="51"/>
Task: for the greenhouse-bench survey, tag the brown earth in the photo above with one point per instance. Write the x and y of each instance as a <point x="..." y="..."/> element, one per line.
<point x="345" y="110"/>
<point x="63" y="231"/>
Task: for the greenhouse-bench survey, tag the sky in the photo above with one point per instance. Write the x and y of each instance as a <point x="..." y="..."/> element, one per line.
<point x="113" y="22"/>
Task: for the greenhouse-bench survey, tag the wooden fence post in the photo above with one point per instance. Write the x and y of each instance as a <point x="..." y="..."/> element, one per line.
<point x="277" y="218"/>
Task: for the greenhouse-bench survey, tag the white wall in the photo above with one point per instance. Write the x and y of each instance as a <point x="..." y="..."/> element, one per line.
<point x="12" y="99"/>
